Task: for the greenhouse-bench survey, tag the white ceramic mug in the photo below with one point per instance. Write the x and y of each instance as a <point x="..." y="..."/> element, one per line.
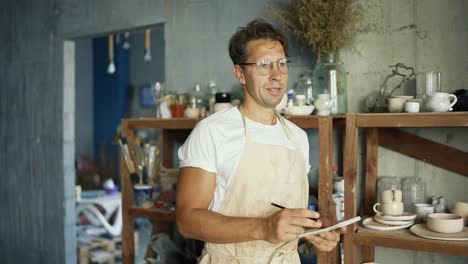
<point x="393" y="208"/>
<point x="389" y="196"/>
<point x="411" y="107"/>
<point x="422" y="211"/>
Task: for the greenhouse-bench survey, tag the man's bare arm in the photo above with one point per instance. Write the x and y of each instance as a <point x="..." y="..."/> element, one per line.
<point x="194" y="193"/>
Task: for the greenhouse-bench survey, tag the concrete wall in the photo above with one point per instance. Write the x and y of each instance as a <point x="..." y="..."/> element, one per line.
<point x="84" y="129"/>
<point x="146" y="72"/>
<point x="37" y="108"/>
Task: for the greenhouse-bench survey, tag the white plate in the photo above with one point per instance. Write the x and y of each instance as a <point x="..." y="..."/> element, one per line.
<point x="392" y="223"/>
<point x="371" y="224"/>
<point x="422" y="231"/>
<point x="403" y="217"/>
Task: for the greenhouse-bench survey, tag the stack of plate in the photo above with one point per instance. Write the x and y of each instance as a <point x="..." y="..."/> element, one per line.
<point x="389" y="222"/>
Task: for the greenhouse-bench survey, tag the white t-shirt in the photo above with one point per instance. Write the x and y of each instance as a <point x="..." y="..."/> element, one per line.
<point x="216" y="144"/>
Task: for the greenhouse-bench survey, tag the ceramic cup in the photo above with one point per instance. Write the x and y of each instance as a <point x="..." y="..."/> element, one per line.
<point x="143" y="195"/>
<point x="389" y="196"/>
<point x="411" y="107"/>
<point x="461" y="209"/>
<point x="422" y="211"/>
<point x="395" y="105"/>
<point x="393" y="208"/>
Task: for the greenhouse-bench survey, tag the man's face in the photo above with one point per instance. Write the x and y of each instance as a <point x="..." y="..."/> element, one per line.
<point x="263" y="90"/>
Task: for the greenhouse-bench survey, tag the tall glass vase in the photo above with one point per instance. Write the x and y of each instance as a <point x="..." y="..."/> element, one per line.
<point x="329" y="77"/>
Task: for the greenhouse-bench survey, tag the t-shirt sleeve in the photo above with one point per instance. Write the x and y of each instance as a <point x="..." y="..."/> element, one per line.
<point x="199" y="149"/>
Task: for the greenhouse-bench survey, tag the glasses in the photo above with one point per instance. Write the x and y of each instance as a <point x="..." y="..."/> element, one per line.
<point x="265" y="66"/>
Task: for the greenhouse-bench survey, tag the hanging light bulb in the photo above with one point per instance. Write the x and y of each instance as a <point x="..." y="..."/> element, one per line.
<point x="147" y="56"/>
<point x="111" y="67"/>
<point x="126" y="43"/>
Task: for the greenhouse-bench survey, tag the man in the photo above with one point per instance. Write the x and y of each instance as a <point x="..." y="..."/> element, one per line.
<point x="237" y="162"/>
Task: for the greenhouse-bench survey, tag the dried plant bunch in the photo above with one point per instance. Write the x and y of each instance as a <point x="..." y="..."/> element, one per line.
<point x="325" y="25"/>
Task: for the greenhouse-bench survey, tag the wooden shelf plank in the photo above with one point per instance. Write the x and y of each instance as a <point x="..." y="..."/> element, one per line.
<point x="429" y="151"/>
<point x="403" y="239"/>
<point x="453" y="119"/>
<point x="310" y="121"/>
<point x="158" y="123"/>
<point x="153" y="213"/>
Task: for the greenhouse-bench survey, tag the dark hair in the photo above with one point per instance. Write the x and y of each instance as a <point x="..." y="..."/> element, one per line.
<point x="255" y="29"/>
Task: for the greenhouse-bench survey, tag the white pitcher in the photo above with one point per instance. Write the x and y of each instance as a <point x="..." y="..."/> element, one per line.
<point x="440" y="102"/>
<point x="323" y="104"/>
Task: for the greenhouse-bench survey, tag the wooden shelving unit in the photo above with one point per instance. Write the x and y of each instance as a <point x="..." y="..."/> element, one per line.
<point x="177" y="130"/>
<point x="381" y="131"/>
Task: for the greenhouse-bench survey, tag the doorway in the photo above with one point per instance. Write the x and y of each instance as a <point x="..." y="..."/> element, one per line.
<point x="90" y="155"/>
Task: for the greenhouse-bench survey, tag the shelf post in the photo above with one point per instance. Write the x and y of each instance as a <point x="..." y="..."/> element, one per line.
<point x="349" y="173"/>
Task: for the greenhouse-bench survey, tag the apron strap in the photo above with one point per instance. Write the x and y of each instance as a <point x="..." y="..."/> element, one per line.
<point x="282" y="120"/>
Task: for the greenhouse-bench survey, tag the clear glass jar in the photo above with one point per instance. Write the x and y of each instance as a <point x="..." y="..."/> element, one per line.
<point x="414" y="191"/>
<point x="304" y="88"/>
<point x="387" y="183"/>
<point x="329" y="77"/>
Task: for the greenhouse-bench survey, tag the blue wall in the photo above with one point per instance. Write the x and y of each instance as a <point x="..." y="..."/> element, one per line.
<point x="110" y="94"/>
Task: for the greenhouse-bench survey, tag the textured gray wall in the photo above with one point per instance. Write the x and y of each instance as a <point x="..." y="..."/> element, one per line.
<point x="37" y="87"/>
<point x="84" y="129"/>
<point x="146" y="72"/>
<point x="31" y="134"/>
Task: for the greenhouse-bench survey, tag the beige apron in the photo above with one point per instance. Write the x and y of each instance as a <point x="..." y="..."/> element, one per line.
<point x="265" y="174"/>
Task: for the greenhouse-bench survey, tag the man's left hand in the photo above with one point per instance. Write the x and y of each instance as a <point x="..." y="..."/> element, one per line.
<point x="326" y="241"/>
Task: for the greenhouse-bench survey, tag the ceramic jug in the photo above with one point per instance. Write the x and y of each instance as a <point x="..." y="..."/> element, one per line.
<point x="440" y="102"/>
<point x="439" y="204"/>
<point x="323" y="104"/>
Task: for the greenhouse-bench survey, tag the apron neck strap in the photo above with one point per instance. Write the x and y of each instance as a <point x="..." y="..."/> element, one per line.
<point x="286" y="128"/>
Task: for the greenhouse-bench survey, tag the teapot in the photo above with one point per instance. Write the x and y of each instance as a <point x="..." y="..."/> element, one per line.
<point x="323" y="104"/>
<point x="440" y="102"/>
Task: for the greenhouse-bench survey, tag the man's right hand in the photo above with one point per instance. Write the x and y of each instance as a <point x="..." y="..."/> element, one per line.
<point x="287" y="224"/>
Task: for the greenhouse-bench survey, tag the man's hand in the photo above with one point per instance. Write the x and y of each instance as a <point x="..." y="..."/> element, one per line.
<point x="326" y="241"/>
<point x="287" y="224"/>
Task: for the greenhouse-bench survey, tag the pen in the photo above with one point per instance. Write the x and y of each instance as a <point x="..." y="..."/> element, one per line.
<point x="282" y="207"/>
<point x="279" y="206"/>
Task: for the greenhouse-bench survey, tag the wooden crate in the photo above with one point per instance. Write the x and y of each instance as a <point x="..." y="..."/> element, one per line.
<point x="104" y="245"/>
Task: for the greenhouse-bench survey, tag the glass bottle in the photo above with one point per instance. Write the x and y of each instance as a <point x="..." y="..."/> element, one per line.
<point x="304" y="88"/>
<point x="290" y="98"/>
<point x="329" y="77"/>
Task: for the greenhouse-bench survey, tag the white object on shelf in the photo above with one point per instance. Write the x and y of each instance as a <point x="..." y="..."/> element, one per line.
<point x="299" y="110"/>
<point x="403" y="217"/>
<point x="422" y="231"/>
<point x="371" y="224"/>
<point x="392" y="223"/>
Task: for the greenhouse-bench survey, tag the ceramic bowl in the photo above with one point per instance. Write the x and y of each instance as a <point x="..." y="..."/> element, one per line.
<point x="461" y="209"/>
<point x="445" y="223"/>
<point x="299" y="110"/>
